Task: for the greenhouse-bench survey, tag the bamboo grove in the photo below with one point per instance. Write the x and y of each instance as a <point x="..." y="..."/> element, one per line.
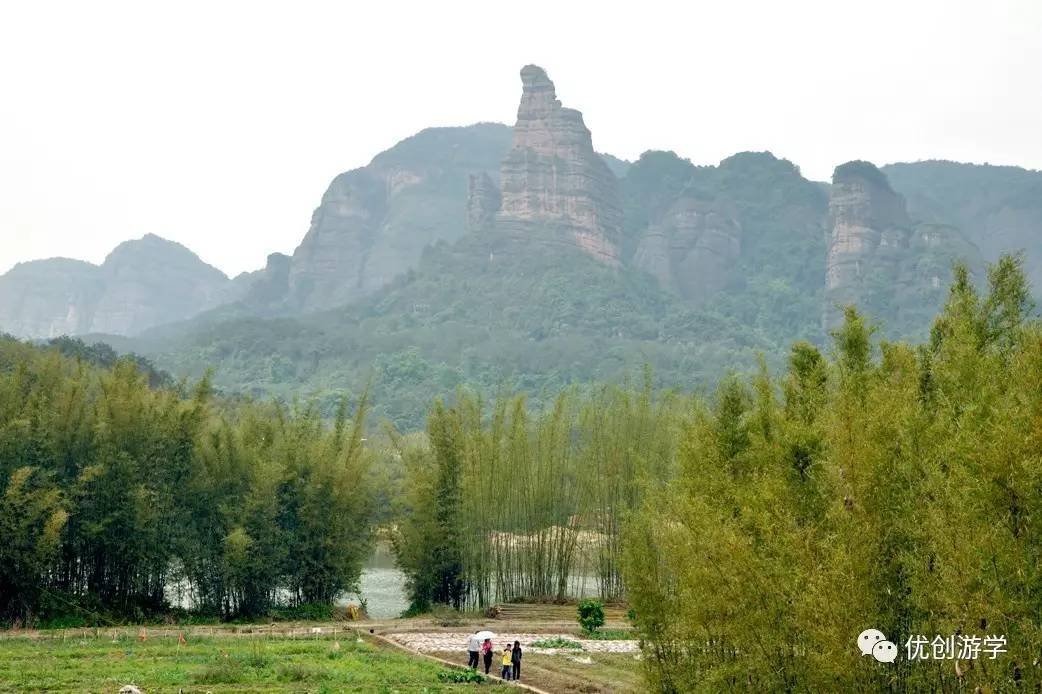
<point x="120" y="501"/>
<point x="504" y="504"/>
<point x="890" y="486"/>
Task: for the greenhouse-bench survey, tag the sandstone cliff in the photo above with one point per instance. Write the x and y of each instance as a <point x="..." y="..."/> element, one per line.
<point x="555" y="188"/>
<point x="141" y="284"/>
<point x="692" y="249"/>
<point x="868" y="228"/>
<point x="749" y="228"/>
<point x="373" y="223"/>
<point x="879" y="259"/>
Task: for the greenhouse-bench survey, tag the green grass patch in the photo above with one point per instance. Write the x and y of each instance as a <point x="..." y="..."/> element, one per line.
<point x="558" y="642"/>
<point x="610" y="635"/>
<point x="221" y="663"/>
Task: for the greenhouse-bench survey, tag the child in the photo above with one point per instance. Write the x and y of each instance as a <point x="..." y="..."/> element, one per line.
<point x="508" y="661"/>
<point x="515" y="657"/>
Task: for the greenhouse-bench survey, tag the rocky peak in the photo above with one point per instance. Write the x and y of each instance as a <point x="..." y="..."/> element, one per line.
<point x="552" y="180"/>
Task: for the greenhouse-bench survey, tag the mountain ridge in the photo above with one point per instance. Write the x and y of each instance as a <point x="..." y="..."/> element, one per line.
<point x="483" y="256"/>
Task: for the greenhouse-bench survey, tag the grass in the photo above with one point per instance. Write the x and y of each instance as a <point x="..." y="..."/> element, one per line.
<point x="584" y="673"/>
<point x="226" y="663"/>
<point x="609" y="635"/>
<point x="557" y="642"/>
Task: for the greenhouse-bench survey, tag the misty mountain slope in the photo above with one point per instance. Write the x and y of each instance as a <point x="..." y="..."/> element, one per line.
<point x="374" y="222"/>
<point x="491" y="257"/>
<point x="998" y="208"/>
<point x="141" y="284"/>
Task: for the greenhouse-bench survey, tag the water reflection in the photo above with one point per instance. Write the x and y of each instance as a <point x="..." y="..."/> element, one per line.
<point x="383" y="585"/>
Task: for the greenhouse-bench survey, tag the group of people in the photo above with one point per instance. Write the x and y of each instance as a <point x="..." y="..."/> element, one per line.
<point x="478" y="647"/>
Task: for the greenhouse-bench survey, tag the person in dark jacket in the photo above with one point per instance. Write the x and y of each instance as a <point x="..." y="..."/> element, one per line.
<point x="515" y="658"/>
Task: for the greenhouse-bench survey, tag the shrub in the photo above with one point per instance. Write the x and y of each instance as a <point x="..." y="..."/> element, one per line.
<point x="591" y="615"/>
<point x="299" y="672"/>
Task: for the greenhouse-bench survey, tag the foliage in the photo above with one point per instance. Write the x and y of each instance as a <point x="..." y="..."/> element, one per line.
<point x="590" y="615"/>
<point x="557" y="642"/>
<point x="503" y="503"/>
<point x="461" y="676"/>
<point x="609" y="635"/>
<point x="117" y="495"/>
<point x="890" y="486"/>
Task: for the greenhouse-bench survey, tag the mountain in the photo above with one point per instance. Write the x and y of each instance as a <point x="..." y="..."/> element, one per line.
<point x="745" y="238"/>
<point x="518" y="257"/>
<point x="998" y="208"/>
<point x="373" y="223"/>
<point x="141" y="284"/>
<point x="541" y="286"/>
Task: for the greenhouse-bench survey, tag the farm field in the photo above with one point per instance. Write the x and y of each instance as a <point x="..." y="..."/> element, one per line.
<point x="313" y="657"/>
<point x="218" y="664"/>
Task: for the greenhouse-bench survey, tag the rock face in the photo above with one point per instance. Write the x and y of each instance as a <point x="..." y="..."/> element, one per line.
<point x="693" y="248"/>
<point x="268" y="285"/>
<point x="48" y="298"/>
<point x="882" y="261"/>
<point x="555" y="187"/>
<point x="373" y="223"/>
<point x="141" y="284"/>
<point x="868" y="228"/>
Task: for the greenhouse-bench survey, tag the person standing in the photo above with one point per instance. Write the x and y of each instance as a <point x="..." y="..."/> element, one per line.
<point x="508" y="661"/>
<point x="473" y="648"/>
<point x="515" y="661"/>
<point x="486" y="652"/>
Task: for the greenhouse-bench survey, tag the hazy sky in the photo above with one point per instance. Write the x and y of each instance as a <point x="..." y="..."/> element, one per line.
<point x="219" y="124"/>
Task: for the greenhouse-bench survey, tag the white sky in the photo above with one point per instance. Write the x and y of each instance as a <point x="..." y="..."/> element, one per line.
<point x="219" y="124"/>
